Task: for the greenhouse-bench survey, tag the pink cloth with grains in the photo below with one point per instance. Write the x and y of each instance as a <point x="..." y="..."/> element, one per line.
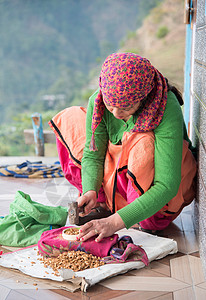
<point x="52" y="243"/>
<point x="111" y="249"/>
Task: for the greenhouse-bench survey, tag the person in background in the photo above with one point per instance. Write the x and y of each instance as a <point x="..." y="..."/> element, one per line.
<point x="129" y="151"/>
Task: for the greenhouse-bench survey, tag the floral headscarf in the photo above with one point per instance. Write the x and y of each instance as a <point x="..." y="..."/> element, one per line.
<point x="125" y="80"/>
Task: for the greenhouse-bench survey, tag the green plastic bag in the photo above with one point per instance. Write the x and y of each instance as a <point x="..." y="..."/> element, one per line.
<point x="27" y="220"/>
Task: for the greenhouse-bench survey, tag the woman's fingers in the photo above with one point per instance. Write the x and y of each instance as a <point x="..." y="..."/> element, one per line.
<point x="84" y="205"/>
<point x="99" y="237"/>
<point x="88" y="235"/>
<point x="87" y="201"/>
<point x="82" y="200"/>
<point x="88" y="207"/>
<point x="86" y="227"/>
<point x="86" y="231"/>
<point x="93" y="228"/>
<point x="101" y="228"/>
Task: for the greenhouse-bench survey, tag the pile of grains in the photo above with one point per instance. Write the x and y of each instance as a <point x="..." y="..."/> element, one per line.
<point x="72" y="231"/>
<point x="75" y="260"/>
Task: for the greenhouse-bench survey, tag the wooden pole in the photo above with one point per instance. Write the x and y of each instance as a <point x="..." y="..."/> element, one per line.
<point x="38" y="134"/>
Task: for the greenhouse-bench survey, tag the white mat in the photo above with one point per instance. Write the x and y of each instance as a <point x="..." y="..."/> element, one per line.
<point x="26" y="260"/>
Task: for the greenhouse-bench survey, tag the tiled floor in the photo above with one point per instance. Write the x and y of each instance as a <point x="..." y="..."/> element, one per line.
<point x="177" y="276"/>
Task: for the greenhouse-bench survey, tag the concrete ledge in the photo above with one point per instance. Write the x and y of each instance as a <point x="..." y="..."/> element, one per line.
<point x="49" y="137"/>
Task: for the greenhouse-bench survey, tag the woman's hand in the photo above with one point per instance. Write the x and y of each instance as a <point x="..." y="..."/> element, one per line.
<point x="87" y="201"/>
<point x="101" y="227"/>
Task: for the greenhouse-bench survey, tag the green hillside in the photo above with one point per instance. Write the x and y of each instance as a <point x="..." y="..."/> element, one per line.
<point x="161" y="39"/>
<point x="48" y="51"/>
<point x="49" y="46"/>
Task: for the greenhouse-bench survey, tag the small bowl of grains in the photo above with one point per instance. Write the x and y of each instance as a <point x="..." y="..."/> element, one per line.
<point x="71" y="233"/>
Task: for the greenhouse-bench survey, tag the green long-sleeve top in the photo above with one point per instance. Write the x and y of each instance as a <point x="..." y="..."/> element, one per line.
<point x="169" y="137"/>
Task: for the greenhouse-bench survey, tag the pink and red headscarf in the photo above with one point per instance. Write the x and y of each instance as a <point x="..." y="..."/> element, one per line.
<point x="125" y="80"/>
